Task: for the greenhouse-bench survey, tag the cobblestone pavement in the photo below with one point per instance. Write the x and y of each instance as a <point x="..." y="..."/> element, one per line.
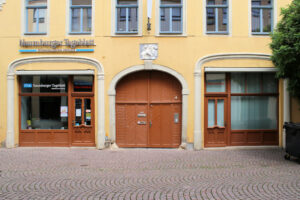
<point x="63" y="173"/>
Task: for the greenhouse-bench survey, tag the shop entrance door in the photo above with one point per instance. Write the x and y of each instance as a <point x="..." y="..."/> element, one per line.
<point x="83" y="126"/>
<point x="148" y="110"/>
<point x="215" y="122"/>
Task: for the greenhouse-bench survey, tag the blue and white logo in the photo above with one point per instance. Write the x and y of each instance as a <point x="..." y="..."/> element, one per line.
<point x="27" y="85"/>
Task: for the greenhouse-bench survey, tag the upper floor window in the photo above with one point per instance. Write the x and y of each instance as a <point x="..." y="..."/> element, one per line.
<point x="81" y="16"/>
<point x="261" y="12"/>
<point x="127" y="16"/>
<point x="217" y="16"/>
<point x="171" y="16"/>
<point x="36" y="16"/>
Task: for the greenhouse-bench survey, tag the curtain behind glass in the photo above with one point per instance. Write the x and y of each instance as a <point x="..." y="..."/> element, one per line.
<point x="253" y="112"/>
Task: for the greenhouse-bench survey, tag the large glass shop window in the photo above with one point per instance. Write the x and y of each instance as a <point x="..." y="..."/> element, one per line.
<point x="44" y="112"/>
<point x="39" y="112"/>
<point x="253" y="101"/>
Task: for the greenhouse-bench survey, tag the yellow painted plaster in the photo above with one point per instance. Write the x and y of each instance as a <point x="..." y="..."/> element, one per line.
<point x="117" y="53"/>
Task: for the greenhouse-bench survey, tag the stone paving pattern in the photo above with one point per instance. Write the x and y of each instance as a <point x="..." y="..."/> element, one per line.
<point x="63" y="173"/>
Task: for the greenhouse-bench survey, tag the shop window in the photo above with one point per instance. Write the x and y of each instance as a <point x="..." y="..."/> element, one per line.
<point x="44" y="102"/>
<point x="127" y="16"/>
<point x="215" y="82"/>
<point x="36" y="16"/>
<point x="81" y="16"/>
<point x="171" y="12"/>
<point x="261" y="16"/>
<point x="83" y="83"/>
<point x="40" y="112"/>
<point x="254" y="99"/>
<point x="217" y="16"/>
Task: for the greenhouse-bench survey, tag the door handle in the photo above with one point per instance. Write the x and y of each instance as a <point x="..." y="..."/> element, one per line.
<point x="150" y="123"/>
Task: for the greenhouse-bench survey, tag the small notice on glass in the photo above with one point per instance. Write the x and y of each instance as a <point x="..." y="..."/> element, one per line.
<point x="78" y="112"/>
<point x="64" y="111"/>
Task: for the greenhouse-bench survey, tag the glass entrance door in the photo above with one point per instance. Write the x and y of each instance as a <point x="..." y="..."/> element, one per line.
<point x="215" y="121"/>
<point x="83" y="122"/>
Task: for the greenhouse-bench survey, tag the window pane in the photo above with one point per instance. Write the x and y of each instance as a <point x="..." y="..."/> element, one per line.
<point x="87" y="112"/>
<point x="267" y="20"/>
<point x="216" y="2"/>
<point x="75" y="20"/>
<point x="220" y="112"/>
<point x="42" y="84"/>
<point x="170" y="2"/>
<point x="81" y="2"/>
<point x="253" y="112"/>
<point x="87" y="20"/>
<point x="269" y="83"/>
<point x="255" y="20"/>
<point x="133" y="19"/>
<point x="211" y="113"/>
<point x="176" y="19"/>
<point x="222" y="19"/>
<point x="31" y="20"/>
<point x="44" y="112"/>
<point x="215" y="82"/>
<point x="127" y="2"/>
<point x="37" y="2"/>
<point x="121" y="19"/>
<point x="42" y="17"/>
<point x="238" y="82"/>
<point x="78" y="112"/>
<point x="83" y="83"/>
<point x="165" y="19"/>
<point x="211" y="25"/>
<point x="262" y="2"/>
<point x="253" y="83"/>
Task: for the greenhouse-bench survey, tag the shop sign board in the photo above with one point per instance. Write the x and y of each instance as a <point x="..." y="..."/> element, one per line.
<point x="54" y="46"/>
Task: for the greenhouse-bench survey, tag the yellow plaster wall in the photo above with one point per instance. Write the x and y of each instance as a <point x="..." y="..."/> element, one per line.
<point x="117" y="53"/>
<point x="295" y="110"/>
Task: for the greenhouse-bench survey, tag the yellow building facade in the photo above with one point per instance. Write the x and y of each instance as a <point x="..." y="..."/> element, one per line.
<point x="161" y="73"/>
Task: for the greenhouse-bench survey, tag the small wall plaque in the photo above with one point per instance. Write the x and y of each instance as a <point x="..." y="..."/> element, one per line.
<point x="148" y="51"/>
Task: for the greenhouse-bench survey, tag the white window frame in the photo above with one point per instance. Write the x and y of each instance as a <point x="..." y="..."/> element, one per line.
<point x="229" y="21"/>
<point x="68" y="21"/>
<point x="273" y="20"/>
<point x="114" y="31"/>
<point x="183" y="20"/>
<point x="24" y="17"/>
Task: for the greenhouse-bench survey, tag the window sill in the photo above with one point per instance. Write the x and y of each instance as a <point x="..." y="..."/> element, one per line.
<point x="35" y="33"/>
<point x="217" y="33"/>
<point x="261" y="34"/>
<point x="80" y="33"/>
<point x="126" y="33"/>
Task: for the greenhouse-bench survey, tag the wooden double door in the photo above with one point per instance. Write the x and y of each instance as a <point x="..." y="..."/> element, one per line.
<point x="148" y="110"/>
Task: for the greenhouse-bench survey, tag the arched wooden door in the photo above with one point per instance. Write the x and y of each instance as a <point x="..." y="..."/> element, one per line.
<point x="148" y="110"/>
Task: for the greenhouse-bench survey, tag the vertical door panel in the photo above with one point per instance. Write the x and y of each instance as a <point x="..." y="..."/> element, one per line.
<point x="130" y="132"/>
